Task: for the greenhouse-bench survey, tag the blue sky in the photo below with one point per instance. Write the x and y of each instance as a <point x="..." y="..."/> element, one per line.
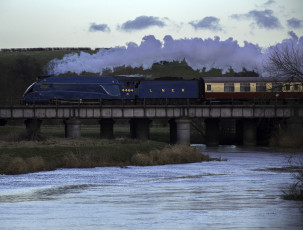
<point x="110" y="23"/>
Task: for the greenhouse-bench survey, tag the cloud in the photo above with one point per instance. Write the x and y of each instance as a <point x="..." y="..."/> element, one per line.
<point x="269" y="2"/>
<point x="263" y="18"/>
<point x="141" y="23"/>
<point x="98" y="27"/>
<point x="295" y="23"/>
<point x="209" y="23"/>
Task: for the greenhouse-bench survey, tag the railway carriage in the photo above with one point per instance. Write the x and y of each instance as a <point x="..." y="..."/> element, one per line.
<point x="251" y="88"/>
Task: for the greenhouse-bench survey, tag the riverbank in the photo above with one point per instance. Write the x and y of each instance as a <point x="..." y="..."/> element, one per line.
<point x="230" y="195"/>
<point x="53" y="153"/>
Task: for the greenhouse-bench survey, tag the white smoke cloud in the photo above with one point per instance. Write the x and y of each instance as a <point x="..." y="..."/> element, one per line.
<point x="198" y="53"/>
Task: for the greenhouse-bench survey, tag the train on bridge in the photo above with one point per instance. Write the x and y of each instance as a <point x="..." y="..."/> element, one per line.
<point x="112" y="90"/>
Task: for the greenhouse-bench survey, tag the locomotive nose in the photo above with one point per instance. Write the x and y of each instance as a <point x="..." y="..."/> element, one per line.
<point x="29" y="89"/>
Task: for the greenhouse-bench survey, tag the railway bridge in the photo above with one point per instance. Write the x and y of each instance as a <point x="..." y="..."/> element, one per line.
<point x="247" y="118"/>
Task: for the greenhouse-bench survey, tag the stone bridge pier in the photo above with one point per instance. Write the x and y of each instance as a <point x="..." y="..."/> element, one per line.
<point x="139" y="128"/>
<point x="212" y="126"/>
<point x="32" y="128"/>
<point x="107" y="128"/>
<point x="72" y="128"/>
<point x="245" y="131"/>
<point x="179" y="130"/>
<point x="249" y="132"/>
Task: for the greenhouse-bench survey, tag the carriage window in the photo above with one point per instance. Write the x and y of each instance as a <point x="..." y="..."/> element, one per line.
<point x="287" y="87"/>
<point x="112" y="90"/>
<point x="296" y="87"/>
<point x="229" y="87"/>
<point x="261" y="87"/>
<point x="277" y="87"/>
<point x="208" y="87"/>
<point x="244" y="87"/>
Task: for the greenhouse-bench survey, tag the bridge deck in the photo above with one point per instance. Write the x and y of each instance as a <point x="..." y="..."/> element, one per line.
<point x="151" y="111"/>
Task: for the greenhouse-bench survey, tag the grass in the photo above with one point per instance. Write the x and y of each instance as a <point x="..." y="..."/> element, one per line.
<point x="170" y="155"/>
<point x="31" y="156"/>
<point x="53" y="151"/>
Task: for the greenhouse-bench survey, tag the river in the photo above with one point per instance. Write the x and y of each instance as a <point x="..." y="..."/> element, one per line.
<point x="233" y="194"/>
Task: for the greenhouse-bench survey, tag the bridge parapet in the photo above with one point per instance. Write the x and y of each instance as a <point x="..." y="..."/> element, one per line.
<point x="151" y="112"/>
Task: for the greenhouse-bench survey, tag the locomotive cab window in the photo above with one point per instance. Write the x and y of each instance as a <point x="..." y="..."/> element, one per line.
<point x="244" y="87"/>
<point x="112" y="90"/>
<point x="229" y="87"/>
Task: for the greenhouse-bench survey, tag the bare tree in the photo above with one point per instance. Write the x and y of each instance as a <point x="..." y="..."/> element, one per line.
<point x="286" y="60"/>
<point x="295" y="190"/>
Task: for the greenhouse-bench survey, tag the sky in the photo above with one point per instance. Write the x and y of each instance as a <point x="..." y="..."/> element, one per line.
<point x="111" y="23"/>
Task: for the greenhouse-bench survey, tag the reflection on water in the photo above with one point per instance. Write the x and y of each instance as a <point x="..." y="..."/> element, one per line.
<point x="235" y="194"/>
<point x="50" y="193"/>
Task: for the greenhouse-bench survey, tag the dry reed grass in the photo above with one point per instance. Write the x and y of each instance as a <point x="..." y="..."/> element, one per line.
<point x="18" y="165"/>
<point x="176" y="154"/>
<point x="99" y="156"/>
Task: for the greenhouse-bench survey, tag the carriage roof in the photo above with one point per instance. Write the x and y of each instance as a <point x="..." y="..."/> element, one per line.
<point x="247" y="79"/>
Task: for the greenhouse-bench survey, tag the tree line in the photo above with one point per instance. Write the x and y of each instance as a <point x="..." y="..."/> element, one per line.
<point x="46" y="49"/>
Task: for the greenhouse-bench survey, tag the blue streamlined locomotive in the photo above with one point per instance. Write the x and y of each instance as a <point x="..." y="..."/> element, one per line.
<point x="88" y="89"/>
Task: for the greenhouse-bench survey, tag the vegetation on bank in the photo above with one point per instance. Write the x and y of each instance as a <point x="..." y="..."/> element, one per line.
<point x="295" y="190"/>
<point x="53" y="153"/>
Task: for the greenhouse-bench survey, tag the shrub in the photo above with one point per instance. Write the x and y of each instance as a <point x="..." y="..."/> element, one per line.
<point x="176" y="154"/>
<point x="70" y="160"/>
<point x="16" y="166"/>
<point x="295" y="191"/>
<point x="35" y="164"/>
<point x="141" y="159"/>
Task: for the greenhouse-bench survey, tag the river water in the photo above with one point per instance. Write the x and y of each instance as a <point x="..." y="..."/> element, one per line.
<point x="233" y="194"/>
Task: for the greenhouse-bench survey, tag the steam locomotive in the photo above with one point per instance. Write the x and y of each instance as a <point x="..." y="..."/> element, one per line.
<point x="93" y="89"/>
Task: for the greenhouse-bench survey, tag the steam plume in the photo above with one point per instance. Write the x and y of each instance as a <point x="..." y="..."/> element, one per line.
<point x="198" y="53"/>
